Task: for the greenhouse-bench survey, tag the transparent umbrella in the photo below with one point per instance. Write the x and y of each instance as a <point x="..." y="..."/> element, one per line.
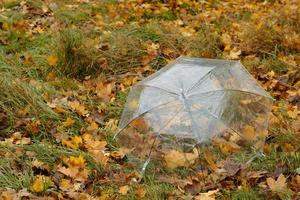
<point x="195" y="102"/>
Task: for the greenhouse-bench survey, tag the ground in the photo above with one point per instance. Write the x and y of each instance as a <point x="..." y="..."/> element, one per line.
<point x="65" y="70"/>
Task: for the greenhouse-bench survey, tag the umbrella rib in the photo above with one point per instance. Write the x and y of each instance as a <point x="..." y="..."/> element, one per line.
<point x="199" y="81"/>
<point x="219" y="120"/>
<point x="228" y="90"/>
<point x="143" y="113"/>
<point x="165" y="90"/>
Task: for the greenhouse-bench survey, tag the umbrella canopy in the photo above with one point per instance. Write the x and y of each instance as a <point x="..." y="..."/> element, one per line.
<point x="192" y="101"/>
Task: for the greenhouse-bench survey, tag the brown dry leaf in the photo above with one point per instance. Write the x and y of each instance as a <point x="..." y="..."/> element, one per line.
<point x="52" y="60"/>
<point x="120" y="153"/>
<point x="69" y="122"/>
<point x="104" y="90"/>
<point x="277" y="185"/>
<point x="210" y="159"/>
<point x="210" y="195"/>
<point x="34" y="127"/>
<point x="174" y="158"/>
<point x="124" y="189"/>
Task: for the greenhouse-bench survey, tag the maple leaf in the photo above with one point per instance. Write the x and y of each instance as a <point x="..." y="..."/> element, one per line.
<point x="120" y="153"/>
<point x="124" y="189"/>
<point x="80" y="109"/>
<point x="174" y="158"/>
<point x="69" y="122"/>
<point x="227" y="147"/>
<point x="104" y="90"/>
<point x="277" y="185"/>
<point x="92" y="127"/>
<point x="210" y="195"/>
<point x="40" y="184"/>
<point x="140" y="192"/>
<point x="52" y="60"/>
<point x="73" y="142"/>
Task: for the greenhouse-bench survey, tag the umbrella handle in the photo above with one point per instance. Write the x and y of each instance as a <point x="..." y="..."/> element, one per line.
<point x="145" y="166"/>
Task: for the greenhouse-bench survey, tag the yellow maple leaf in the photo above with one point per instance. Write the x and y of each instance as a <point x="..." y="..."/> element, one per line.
<point x="52" y="60"/>
<point x="41" y="183"/>
<point x="76" y="106"/>
<point x="69" y="122"/>
<point x="92" y="127"/>
<point x="174" y="158"/>
<point x="124" y="189"/>
<point x="140" y="192"/>
<point x="73" y="142"/>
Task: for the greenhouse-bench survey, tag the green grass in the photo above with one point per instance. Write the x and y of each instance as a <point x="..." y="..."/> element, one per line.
<point x="242" y="194"/>
<point x="9" y="178"/>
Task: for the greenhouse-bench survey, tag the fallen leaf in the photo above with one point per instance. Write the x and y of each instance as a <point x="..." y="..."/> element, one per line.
<point x="174" y="158"/>
<point x="227" y="147"/>
<point x="73" y="142"/>
<point x="277" y="185"/>
<point x="210" y="195"/>
<point x="69" y="122"/>
<point x="52" y="60"/>
<point x="140" y="192"/>
<point x="120" y="153"/>
<point x="124" y="189"/>
<point x="40" y="184"/>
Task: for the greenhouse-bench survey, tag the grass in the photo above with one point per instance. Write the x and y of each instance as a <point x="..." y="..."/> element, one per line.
<point x="244" y="193"/>
<point x="86" y="50"/>
<point x="9" y="178"/>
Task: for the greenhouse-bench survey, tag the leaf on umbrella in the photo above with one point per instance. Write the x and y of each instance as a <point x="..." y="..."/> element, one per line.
<point x="174" y="158"/>
<point x="249" y="132"/>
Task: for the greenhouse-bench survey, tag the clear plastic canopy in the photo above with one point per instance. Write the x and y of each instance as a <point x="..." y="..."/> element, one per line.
<point x="195" y="101"/>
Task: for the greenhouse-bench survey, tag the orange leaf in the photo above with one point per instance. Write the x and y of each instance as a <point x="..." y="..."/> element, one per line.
<point x="176" y="159"/>
<point x="124" y="189"/>
<point x="140" y="192"/>
<point x="52" y="60"/>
